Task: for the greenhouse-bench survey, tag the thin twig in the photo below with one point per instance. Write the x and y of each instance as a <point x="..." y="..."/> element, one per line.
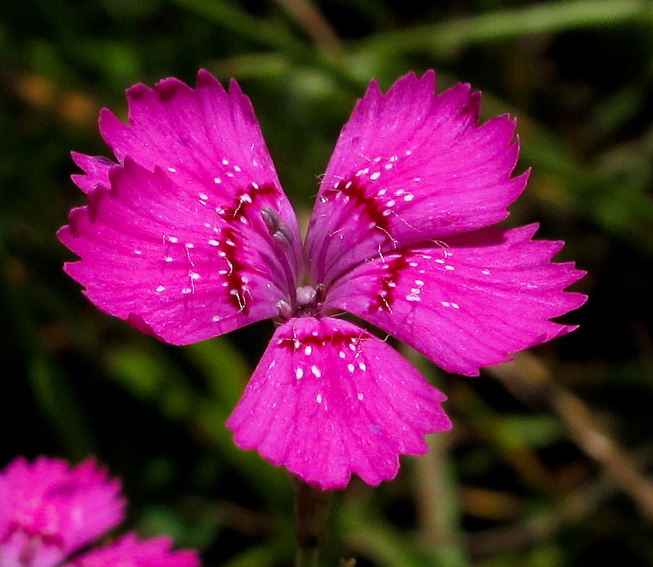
<point x="309" y="16"/>
<point x="529" y="378"/>
<point x="542" y="526"/>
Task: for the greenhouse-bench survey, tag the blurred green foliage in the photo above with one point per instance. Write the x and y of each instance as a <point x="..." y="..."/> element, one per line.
<point x="549" y="459"/>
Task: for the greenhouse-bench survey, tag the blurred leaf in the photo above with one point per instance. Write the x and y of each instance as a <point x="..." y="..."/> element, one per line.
<point x="498" y="25"/>
<point x="59" y="403"/>
<point x="528" y="431"/>
<point x="157" y="379"/>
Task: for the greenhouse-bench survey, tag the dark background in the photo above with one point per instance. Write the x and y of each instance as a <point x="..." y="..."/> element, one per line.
<point x="550" y="460"/>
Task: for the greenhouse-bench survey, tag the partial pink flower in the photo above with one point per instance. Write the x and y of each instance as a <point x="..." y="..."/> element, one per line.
<point x="49" y="511"/>
<point x="128" y="551"/>
<point x="189" y="235"/>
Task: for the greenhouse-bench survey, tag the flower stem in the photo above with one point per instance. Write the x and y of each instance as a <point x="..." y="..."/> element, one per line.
<point x="311" y="512"/>
<point x="306" y="557"/>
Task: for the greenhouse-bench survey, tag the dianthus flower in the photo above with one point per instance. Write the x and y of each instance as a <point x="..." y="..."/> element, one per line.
<point x="189" y="236"/>
<point x="50" y="512"/>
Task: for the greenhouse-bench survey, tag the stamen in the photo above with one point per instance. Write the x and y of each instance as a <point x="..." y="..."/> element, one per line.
<point x="278" y="229"/>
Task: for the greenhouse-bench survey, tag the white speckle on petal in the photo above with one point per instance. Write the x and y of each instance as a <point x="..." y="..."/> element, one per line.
<point x="299" y="372"/>
<point x="448" y="267"/>
<point x="413" y="298"/>
<point x="160" y="288"/>
<point x="362" y="366"/>
<point x="172" y="170"/>
<point x="217" y="180"/>
<point x="375" y="175"/>
<point x="318" y="399"/>
<point x="237" y="169"/>
<point x="342" y="354"/>
<point x="308" y="350"/>
<point x="409" y="197"/>
<point x="173" y="239"/>
<point x="316" y="371"/>
<point x="486" y="272"/>
<point x="225" y="162"/>
<point x="360" y="397"/>
<point x="446" y="304"/>
<point x="213" y="242"/>
<point x="351" y="367"/>
<point x="455" y="306"/>
<point x="168" y="259"/>
<point x="203" y="196"/>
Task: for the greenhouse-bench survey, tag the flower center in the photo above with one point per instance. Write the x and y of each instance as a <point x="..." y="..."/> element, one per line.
<point x="308" y="302"/>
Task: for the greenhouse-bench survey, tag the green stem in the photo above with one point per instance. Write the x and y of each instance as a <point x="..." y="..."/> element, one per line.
<point x="311" y="513"/>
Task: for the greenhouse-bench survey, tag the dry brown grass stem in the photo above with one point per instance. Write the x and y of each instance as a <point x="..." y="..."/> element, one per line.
<point x="530" y="380"/>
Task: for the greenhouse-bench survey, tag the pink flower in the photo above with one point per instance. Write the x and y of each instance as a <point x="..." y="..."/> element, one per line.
<point x="49" y="511"/>
<point x="190" y="236"/>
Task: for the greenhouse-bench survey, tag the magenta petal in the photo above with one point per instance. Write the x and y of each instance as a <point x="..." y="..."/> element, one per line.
<point x="469" y="302"/>
<point x="411" y="166"/>
<point x="191" y="235"/>
<point x="203" y="136"/>
<point x="207" y="139"/>
<point x="129" y="552"/>
<point x="173" y="263"/>
<point x="96" y="171"/>
<point x="328" y="399"/>
<point x="51" y="510"/>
